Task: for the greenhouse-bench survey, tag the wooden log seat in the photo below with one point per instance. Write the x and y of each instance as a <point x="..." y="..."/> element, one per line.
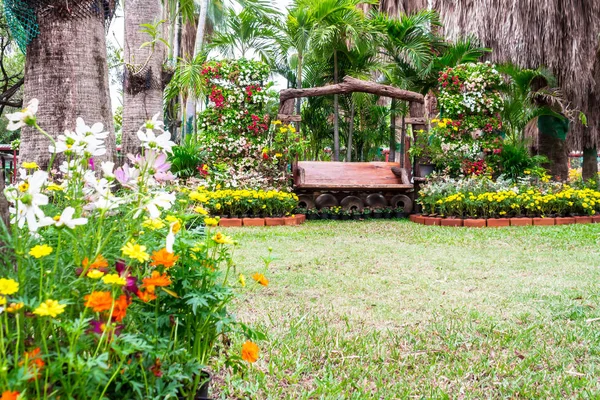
<point x="358" y="176"/>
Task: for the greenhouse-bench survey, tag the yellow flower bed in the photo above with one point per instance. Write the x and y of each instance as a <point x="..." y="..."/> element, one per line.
<point x="243" y="202"/>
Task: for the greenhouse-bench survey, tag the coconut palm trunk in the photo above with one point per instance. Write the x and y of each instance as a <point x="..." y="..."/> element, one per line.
<point x="67" y="71"/>
<point x="143" y="84"/>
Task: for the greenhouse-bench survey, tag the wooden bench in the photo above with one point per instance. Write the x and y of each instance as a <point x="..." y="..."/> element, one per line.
<point x="351" y="184"/>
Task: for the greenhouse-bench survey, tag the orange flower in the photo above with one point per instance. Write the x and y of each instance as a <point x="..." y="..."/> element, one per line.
<point x="34" y="363"/>
<point x="120" y="309"/>
<point x="146" y="296"/>
<point x="156" y="279"/>
<point x="99" y="262"/>
<point x="99" y="301"/>
<point x="250" y="351"/>
<point x="8" y="395"/>
<point x="260" y="278"/>
<point x="164" y="258"/>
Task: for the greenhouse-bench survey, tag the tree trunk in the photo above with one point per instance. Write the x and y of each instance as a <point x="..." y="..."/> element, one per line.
<point x="67" y="71"/>
<point x="143" y="86"/>
<point x="590" y="163"/>
<point x="336" y="113"/>
<point x="350" y="132"/>
<point x="552" y="144"/>
<point x="392" y="156"/>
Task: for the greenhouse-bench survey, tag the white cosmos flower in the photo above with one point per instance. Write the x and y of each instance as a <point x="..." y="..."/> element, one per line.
<point x="163" y="200"/>
<point x="29" y="202"/>
<point x="24" y="117"/>
<point x="66" y="219"/>
<point x="155" y="123"/>
<point x="107" y="169"/>
<point x="96" y="130"/>
<point x="151" y="141"/>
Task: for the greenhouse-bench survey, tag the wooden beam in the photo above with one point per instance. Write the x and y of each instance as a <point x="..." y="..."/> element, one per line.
<point x="350" y="85"/>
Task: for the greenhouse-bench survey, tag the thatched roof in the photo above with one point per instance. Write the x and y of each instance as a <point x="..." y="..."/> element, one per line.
<point x="562" y="35"/>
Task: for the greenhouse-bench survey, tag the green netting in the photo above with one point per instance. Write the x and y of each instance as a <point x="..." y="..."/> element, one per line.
<point x="22" y="15"/>
<point x="22" y="22"/>
<point x="553" y="126"/>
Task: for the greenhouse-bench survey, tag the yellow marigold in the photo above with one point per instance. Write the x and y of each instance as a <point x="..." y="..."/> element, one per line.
<point x="40" y="251"/>
<point x="14" y="307"/>
<point x="2" y="300"/>
<point x="8" y="286"/>
<point x="261" y="279"/>
<point x="30" y="165"/>
<point x="222" y="239"/>
<point x="95" y="274"/>
<point x="242" y="280"/>
<point x="250" y="352"/>
<point x="200" y="210"/>
<point x="135" y="251"/>
<point x="211" y="222"/>
<point x="50" y="308"/>
<point x="114" y="279"/>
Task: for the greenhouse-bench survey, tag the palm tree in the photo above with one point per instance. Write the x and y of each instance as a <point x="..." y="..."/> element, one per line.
<point x="338" y="25"/>
<point x="293" y="38"/>
<point x="144" y="53"/>
<point x="247" y="31"/>
<point x="66" y="70"/>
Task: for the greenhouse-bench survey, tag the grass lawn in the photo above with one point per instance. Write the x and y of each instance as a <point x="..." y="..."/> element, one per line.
<point x="391" y="309"/>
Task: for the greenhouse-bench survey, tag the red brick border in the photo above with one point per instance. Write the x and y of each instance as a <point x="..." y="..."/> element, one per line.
<point x="235" y="222"/>
<point x="497" y="222"/>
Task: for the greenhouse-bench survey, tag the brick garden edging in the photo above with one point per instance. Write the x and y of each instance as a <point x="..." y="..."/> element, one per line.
<point x="235" y="222"/>
<point x="497" y="222"/>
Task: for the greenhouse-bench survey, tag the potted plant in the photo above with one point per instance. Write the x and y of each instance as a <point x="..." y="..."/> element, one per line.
<point x="377" y="213"/>
<point x="325" y="213"/>
<point x="387" y="213"/>
<point x="356" y="215"/>
<point x="312" y="214"/>
<point x="367" y="213"/>
<point x="345" y="215"/>
<point x="398" y="212"/>
<point x="335" y="212"/>
<point x="422" y="152"/>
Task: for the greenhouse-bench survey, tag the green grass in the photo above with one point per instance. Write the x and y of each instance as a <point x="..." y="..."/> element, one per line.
<point x="391" y="309"/>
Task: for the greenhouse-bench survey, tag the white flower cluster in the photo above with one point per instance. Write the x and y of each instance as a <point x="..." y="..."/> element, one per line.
<point x="92" y="194"/>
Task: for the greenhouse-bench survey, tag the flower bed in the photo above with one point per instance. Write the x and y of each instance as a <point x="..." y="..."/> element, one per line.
<point x="104" y="291"/>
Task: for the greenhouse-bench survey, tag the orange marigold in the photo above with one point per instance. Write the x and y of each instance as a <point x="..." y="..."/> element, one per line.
<point x="260" y="278"/>
<point x="146" y="296"/>
<point x="99" y="262"/>
<point x="99" y="301"/>
<point x="8" y="395"/>
<point x="164" y="258"/>
<point x="250" y="351"/>
<point x="120" y="310"/>
<point x="156" y="279"/>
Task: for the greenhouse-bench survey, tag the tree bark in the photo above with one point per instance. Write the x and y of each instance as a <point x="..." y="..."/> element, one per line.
<point x="143" y="86"/>
<point x="66" y="70"/>
<point x="350" y="133"/>
<point x="556" y="150"/>
<point x="589" y="169"/>
<point x="336" y="112"/>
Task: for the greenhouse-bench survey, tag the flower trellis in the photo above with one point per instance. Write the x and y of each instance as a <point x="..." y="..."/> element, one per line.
<point x="235" y="128"/>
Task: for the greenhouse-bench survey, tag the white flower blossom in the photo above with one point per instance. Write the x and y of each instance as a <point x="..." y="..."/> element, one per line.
<point x="24" y="117"/>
